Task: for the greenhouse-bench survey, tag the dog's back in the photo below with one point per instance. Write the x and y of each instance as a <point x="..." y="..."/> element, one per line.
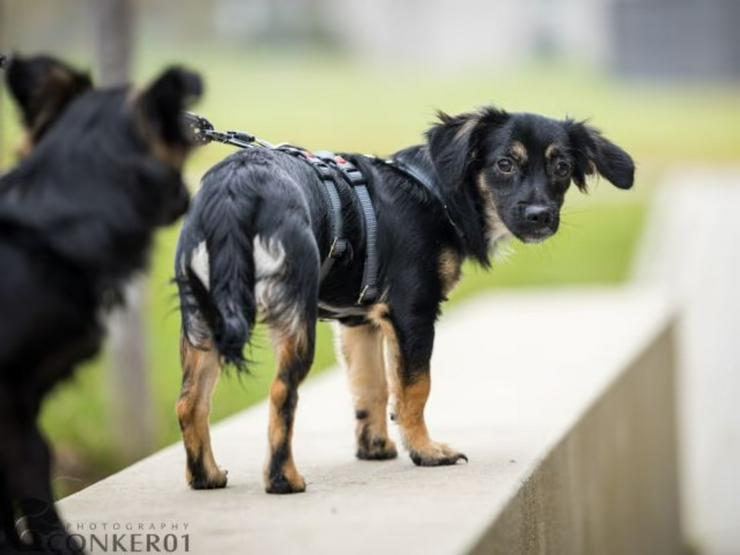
<point x="247" y="243"/>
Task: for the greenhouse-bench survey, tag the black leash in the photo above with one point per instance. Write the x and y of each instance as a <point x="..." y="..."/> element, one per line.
<point x="323" y="164"/>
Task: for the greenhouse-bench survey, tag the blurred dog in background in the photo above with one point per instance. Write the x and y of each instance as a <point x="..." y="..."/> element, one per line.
<point x="101" y="172"/>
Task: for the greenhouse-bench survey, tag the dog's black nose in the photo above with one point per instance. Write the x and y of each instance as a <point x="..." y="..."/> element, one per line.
<point x="539" y="215"/>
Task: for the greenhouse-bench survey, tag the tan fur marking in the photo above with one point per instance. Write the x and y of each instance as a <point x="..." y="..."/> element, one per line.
<point x="280" y="431"/>
<point x="552" y="151"/>
<point x="379" y="314"/>
<point x="497" y="230"/>
<point x="449" y="269"/>
<point x="410" y="415"/>
<point x="519" y="151"/>
<point x="289" y="343"/>
<point x="276" y="430"/>
<point x="408" y="401"/>
<point x="467" y="128"/>
<point x="25" y="147"/>
<point x="201" y="370"/>
<point x="394" y="370"/>
<point x="362" y="351"/>
<point x="173" y="156"/>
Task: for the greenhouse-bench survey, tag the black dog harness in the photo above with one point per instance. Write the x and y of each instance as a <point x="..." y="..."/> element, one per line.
<point x="427" y="183"/>
<point x="325" y="164"/>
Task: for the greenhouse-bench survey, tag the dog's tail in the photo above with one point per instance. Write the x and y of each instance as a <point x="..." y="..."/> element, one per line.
<point x="226" y="256"/>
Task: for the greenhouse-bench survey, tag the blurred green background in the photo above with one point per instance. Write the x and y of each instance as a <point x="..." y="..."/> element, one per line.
<point x="320" y="98"/>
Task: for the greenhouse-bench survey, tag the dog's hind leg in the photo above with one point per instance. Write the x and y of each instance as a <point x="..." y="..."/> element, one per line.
<point x="409" y="338"/>
<point x="201" y="368"/>
<point x="294" y="352"/>
<point x="361" y="347"/>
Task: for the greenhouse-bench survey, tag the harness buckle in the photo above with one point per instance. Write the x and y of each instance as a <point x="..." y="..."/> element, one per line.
<point x="354" y="175"/>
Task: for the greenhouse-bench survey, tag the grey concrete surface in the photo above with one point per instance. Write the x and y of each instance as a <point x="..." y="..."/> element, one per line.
<point x="692" y="253"/>
<point x="562" y="401"/>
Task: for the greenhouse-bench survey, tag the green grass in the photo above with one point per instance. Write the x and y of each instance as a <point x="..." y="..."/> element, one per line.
<point x="326" y="102"/>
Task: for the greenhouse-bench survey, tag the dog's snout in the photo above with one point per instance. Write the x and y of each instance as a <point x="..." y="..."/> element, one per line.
<point x="535" y="222"/>
<point x="539" y="215"/>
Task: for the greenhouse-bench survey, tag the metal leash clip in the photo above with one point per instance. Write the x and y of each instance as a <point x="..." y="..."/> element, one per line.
<point x="200" y="128"/>
<point x="203" y="132"/>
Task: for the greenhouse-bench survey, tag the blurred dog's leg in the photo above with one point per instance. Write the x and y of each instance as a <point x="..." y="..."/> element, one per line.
<point x="27" y="464"/>
<point x="362" y="350"/>
<point x="200" y="372"/>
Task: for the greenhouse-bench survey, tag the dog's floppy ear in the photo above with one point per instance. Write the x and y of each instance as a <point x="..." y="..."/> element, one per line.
<point x="593" y="152"/>
<point x="454" y="141"/>
<point x="162" y="102"/>
<point x="42" y="87"/>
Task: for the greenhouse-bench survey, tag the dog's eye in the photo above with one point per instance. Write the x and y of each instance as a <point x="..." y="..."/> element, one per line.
<point x="562" y="169"/>
<point x="505" y="165"/>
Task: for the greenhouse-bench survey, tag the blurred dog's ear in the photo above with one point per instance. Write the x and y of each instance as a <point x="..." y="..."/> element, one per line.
<point x="161" y="104"/>
<point x="593" y="152"/>
<point x="42" y="87"/>
<point x="455" y="140"/>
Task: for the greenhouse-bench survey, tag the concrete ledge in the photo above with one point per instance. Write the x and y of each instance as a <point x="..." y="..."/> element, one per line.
<point x="563" y="403"/>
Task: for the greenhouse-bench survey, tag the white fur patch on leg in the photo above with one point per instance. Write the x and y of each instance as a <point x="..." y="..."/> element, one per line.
<point x="273" y="298"/>
<point x="200" y="264"/>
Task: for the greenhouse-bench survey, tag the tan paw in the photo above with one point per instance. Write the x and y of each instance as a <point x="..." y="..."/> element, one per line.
<point x="376" y="448"/>
<point x="199" y="478"/>
<point x="285" y="482"/>
<point x="436" y="454"/>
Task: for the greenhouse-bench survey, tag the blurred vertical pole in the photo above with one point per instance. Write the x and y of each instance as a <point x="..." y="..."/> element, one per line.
<point x="129" y="370"/>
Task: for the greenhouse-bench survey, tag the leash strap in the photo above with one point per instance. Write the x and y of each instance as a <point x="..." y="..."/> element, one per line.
<point x="339" y="244"/>
<point x="353" y="176"/>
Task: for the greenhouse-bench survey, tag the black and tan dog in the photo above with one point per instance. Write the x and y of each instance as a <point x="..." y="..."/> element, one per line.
<point x="77" y="216"/>
<point x="259" y="229"/>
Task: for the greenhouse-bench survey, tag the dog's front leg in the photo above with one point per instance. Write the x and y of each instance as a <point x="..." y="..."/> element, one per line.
<point x="409" y="338"/>
<point x="361" y="347"/>
<point x="25" y="464"/>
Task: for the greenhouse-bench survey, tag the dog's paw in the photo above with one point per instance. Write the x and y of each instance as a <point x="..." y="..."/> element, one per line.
<point x="376" y="449"/>
<point x="436" y="454"/>
<point x="282" y="484"/>
<point x="208" y="480"/>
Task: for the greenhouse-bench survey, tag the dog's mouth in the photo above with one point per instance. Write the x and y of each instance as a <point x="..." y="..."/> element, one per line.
<point x="528" y="233"/>
<point x="537" y="236"/>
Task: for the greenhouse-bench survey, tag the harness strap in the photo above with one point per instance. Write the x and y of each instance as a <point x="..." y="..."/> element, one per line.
<point x="369" y="288"/>
<point x="339" y="244"/>
<point x="202" y="132"/>
<point x="428" y="184"/>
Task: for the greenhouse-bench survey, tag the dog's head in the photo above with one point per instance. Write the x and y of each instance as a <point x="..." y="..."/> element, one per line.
<point x="116" y="139"/>
<point x="522" y="165"/>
